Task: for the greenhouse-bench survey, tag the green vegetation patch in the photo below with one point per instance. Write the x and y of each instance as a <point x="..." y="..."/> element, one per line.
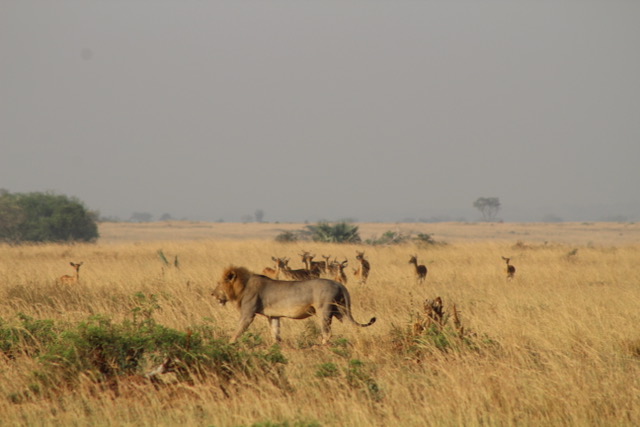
<point x="105" y="350"/>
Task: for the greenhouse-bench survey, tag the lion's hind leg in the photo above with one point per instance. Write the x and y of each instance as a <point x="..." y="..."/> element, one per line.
<point x="275" y="328"/>
<point x="326" y="315"/>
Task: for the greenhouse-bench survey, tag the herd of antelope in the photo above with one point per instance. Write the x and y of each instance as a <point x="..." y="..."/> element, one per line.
<point x="335" y="269"/>
<point x="314" y="269"/>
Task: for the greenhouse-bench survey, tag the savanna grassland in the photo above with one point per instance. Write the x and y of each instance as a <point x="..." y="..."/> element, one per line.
<point x="559" y="344"/>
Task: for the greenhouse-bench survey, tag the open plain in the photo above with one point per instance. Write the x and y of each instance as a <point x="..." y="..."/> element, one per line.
<point x="557" y="344"/>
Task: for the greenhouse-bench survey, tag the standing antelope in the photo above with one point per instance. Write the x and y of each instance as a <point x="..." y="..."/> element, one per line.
<point x="332" y="266"/>
<point x="327" y="263"/>
<point x="340" y="276"/>
<point x="315" y="267"/>
<point x="362" y="272"/>
<point x="273" y="273"/>
<point x="72" y="279"/>
<point x="511" y="270"/>
<point x="282" y="266"/>
<point x="421" y="270"/>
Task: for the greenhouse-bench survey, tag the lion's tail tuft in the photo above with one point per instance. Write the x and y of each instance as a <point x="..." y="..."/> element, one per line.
<point x="364" y="325"/>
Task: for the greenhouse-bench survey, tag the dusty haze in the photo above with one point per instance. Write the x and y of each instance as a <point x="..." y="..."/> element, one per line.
<point x="377" y="111"/>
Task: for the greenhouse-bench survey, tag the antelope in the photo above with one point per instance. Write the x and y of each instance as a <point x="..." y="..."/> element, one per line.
<point x="332" y="267"/>
<point x="339" y="271"/>
<point x="282" y="265"/>
<point x="511" y="270"/>
<point x="273" y="273"/>
<point x="72" y="279"/>
<point x="421" y="270"/>
<point x="362" y="272"/>
<point x="316" y="267"/>
<point x="327" y="263"/>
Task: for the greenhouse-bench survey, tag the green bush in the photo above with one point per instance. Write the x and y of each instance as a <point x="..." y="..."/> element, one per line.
<point x="29" y="337"/>
<point x="388" y="238"/>
<point x="327" y="370"/>
<point x="45" y="217"/>
<point x="297" y="423"/>
<point x="105" y="350"/>
<point x="356" y="375"/>
<point x="287" y="237"/>
<point x="425" y="239"/>
<point x="341" y="232"/>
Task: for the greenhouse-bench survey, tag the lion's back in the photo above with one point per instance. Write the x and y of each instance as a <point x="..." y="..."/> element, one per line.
<point x="306" y="291"/>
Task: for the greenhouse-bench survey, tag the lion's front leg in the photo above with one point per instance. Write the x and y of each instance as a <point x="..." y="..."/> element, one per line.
<point x="275" y="328"/>
<point x="245" y="321"/>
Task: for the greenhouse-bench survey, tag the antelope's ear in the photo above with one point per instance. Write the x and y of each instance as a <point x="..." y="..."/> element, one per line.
<point x="72" y="264"/>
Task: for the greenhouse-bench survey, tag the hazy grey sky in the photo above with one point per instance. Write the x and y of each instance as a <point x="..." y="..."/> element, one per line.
<point x="308" y="110"/>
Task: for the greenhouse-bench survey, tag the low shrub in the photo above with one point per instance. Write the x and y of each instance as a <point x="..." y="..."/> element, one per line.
<point x="436" y="331"/>
<point x="355" y="376"/>
<point x="104" y="350"/>
<point x="388" y="238"/>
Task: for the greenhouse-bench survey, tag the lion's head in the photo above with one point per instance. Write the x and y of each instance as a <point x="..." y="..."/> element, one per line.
<point x="232" y="284"/>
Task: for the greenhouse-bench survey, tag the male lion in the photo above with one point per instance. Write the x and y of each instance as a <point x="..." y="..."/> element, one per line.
<point x="257" y="294"/>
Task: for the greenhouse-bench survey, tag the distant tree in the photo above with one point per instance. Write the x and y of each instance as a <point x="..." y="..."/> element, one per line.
<point x="551" y="218"/>
<point x="166" y="217"/>
<point x="488" y="207"/>
<point x="11" y="216"/>
<point x="341" y="232"/>
<point x="45" y="217"/>
<point x="141" y="217"/>
<point x="259" y="215"/>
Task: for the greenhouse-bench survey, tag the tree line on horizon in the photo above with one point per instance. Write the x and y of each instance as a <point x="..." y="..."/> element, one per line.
<point x="48" y="217"/>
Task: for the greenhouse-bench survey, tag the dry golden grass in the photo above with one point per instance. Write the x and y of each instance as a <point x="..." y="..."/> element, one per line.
<point x="557" y="345"/>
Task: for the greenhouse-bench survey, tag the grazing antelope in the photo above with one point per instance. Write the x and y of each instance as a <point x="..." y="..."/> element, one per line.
<point x="362" y="272"/>
<point x="282" y="266"/>
<point x="72" y="279"/>
<point x="511" y="270"/>
<point x="316" y="267"/>
<point x="340" y="276"/>
<point x="421" y="270"/>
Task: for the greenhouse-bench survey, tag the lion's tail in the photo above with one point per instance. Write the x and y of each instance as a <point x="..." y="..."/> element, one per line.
<point x="347" y="311"/>
<point x="355" y="322"/>
<point x="371" y="322"/>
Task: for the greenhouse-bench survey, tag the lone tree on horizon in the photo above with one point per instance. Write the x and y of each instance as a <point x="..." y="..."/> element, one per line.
<point x="488" y="207"/>
<point x="259" y="215"/>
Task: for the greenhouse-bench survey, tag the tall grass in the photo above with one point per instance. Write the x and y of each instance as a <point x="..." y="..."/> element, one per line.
<point x="557" y="345"/>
